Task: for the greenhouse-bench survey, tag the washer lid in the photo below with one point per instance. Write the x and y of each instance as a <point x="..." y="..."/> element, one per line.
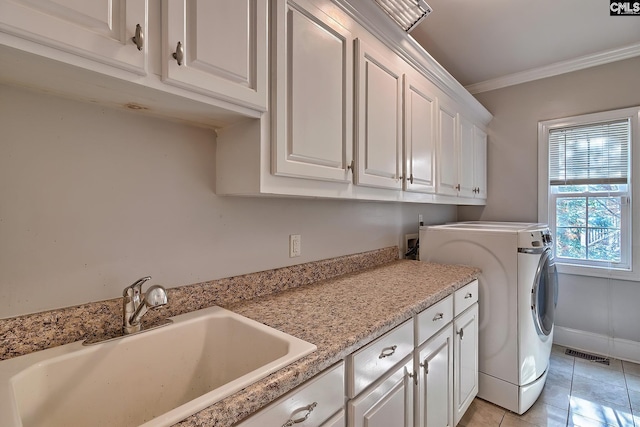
<point x="491" y="226"/>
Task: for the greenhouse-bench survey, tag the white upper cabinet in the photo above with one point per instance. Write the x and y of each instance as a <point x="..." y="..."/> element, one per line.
<point x="217" y="47"/>
<point x="462" y="156"/>
<point x="312" y="105"/>
<point x="100" y="30"/>
<point x="379" y="117"/>
<point x="419" y="134"/>
<point x="480" y="163"/>
<point x="472" y="161"/>
<point x="447" y="181"/>
<point x="466" y="159"/>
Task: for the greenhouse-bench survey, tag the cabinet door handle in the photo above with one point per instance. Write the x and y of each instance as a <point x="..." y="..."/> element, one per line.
<point x="308" y="409"/>
<point x="411" y="178"/>
<point x="351" y="166"/>
<point x="138" y="39"/>
<point x="178" y="55"/>
<point x="461" y="333"/>
<point x="457" y="187"/>
<point x="438" y="317"/>
<point x="387" y="351"/>
<point x="469" y="295"/>
<point x="413" y="375"/>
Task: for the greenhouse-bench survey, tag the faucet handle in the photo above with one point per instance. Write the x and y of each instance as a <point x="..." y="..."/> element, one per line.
<point x="135" y="289"/>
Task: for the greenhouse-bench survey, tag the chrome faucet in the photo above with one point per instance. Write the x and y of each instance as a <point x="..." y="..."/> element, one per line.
<point x="135" y="304"/>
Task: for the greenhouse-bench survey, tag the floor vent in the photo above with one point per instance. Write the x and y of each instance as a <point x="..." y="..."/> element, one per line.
<point x="587" y="356"/>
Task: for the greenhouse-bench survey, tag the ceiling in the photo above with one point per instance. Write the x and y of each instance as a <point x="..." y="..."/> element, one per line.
<point x="488" y="44"/>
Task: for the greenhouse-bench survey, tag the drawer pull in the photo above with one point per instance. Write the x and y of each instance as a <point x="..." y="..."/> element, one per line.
<point x="387" y="351"/>
<point x="469" y="295"/>
<point x="438" y="316"/>
<point x="309" y="409"/>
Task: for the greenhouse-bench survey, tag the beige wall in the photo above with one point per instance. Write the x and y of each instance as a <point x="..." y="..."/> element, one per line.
<point x="92" y="199"/>
<point x="605" y="307"/>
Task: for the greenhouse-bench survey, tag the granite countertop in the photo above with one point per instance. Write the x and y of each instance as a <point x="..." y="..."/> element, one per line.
<point x="339" y="316"/>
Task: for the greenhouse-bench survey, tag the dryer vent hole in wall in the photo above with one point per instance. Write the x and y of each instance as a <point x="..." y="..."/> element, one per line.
<point x="587" y="356"/>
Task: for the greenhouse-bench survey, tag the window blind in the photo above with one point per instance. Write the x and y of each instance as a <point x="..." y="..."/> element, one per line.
<point x="591" y="154"/>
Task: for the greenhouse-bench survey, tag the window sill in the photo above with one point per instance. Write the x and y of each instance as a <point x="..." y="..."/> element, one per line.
<point x="603" y="272"/>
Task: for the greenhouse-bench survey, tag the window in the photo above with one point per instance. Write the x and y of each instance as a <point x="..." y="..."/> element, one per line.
<point x="585" y="191"/>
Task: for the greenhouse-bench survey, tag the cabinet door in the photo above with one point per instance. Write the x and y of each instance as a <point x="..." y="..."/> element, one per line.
<point x="419" y="135"/>
<point x="312" y="112"/>
<point x="447" y="182"/>
<point x="480" y="163"/>
<point x="465" y="361"/>
<point x="389" y="403"/>
<point x="379" y="108"/>
<point x="100" y="30"/>
<point x="466" y="159"/>
<point x="435" y="381"/>
<point x="223" y="44"/>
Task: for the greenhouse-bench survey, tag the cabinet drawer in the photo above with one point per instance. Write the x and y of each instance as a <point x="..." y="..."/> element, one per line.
<point x="319" y="398"/>
<point x="465" y="297"/>
<point x="373" y="360"/>
<point x="434" y="318"/>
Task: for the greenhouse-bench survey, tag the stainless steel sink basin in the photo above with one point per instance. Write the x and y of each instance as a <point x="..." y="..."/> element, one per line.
<point x="155" y="378"/>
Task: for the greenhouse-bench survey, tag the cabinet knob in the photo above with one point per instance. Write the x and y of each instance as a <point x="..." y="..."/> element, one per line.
<point x="351" y="166"/>
<point x="457" y="187"/>
<point x="411" y="178"/>
<point x="138" y="39"/>
<point x="179" y="54"/>
<point x="308" y="410"/>
<point x="413" y="375"/>
<point x="468" y="295"/>
<point x="461" y="333"/>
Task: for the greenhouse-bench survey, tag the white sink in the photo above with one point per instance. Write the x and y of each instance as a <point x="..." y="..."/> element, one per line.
<point x="155" y="378"/>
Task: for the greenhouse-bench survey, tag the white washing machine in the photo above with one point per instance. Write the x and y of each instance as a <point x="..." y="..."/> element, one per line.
<point x="517" y="300"/>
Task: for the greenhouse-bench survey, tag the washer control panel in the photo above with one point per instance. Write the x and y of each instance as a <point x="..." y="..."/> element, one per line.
<point x="535" y="238"/>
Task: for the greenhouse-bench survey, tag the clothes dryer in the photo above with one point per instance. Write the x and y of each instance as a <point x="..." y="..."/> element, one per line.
<point x="517" y="300"/>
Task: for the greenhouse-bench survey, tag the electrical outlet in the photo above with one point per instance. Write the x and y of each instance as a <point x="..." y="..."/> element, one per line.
<point x="295" y="249"/>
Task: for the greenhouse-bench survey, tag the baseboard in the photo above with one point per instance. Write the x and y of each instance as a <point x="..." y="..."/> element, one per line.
<point x="595" y="343"/>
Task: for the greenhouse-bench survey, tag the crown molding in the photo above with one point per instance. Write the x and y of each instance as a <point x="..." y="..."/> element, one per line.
<point x="558" y="68"/>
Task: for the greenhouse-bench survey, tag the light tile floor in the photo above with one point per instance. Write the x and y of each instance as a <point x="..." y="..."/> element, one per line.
<point x="577" y="393"/>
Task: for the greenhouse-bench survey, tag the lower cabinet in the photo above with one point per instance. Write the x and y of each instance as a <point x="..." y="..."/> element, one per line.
<point x="388" y="403"/>
<point x="434" y="402"/>
<point x="466" y="360"/>
<point x="422" y="373"/>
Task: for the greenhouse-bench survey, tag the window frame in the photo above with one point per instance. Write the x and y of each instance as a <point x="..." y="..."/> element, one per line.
<point x="546" y="200"/>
